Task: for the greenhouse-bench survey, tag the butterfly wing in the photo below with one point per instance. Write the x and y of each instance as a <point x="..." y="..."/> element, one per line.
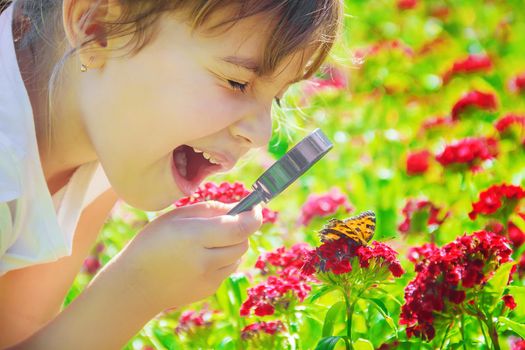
<point x="358" y="228"/>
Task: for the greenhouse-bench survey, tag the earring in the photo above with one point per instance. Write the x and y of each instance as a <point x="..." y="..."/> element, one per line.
<point x="84" y="67"/>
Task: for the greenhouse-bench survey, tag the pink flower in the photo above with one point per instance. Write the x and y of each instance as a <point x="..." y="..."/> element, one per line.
<point x="323" y="205"/>
<point x="417" y="162"/>
<point x="474" y="98"/>
<point x="516" y="236"/>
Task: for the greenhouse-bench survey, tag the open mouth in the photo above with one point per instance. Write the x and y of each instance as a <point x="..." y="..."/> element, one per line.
<point x="191" y="166"/>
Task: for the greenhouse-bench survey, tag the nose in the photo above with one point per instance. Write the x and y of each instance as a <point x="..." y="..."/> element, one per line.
<point x="254" y="130"/>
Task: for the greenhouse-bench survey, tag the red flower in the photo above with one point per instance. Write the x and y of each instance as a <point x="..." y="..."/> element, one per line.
<point x="286" y="281"/>
<point x="476" y="98"/>
<point x="323" y="205"/>
<point x="417" y="162"/>
<point x="191" y="319"/>
<point x="437" y="122"/>
<point x="519" y="345"/>
<point x="516" y="236"/>
<point x="418" y="254"/>
<point x="283" y="259"/>
<point x="509" y="301"/>
<point x="507" y="121"/>
<point x="415" y="207"/>
<point x="91" y="265"/>
<point x="517" y="84"/>
<point x="332" y="78"/>
<point x="469" y="151"/>
<point x="225" y="193"/>
<point x="494" y="198"/>
<point x="472" y="63"/>
<point x="336" y="256"/>
<point x="406" y="4"/>
<point x="444" y="274"/>
<point x="252" y="330"/>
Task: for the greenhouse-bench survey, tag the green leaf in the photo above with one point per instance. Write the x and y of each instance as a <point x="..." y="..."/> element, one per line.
<point x="319" y="293"/>
<point x="493" y="291"/>
<point x="278" y="144"/>
<point x="518" y="328"/>
<point x="226" y="344"/>
<point x="327" y="343"/>
<point x="331" y="317"/>
<point x="384" y="311"/>
<point x="363" y="344"/>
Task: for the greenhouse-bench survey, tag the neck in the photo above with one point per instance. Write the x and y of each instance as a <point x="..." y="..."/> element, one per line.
<point x="67" y="146"/>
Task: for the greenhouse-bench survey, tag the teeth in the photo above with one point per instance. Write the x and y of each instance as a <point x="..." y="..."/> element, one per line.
<point x="181" y="162"/>
<point x="213" y="160"/>
<point x="197" y="150"/>
<point x="206" y="155"/>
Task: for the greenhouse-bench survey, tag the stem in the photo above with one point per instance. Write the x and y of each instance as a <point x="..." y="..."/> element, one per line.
<point x="483" y="331"/>
<point x="349" y="313"/>
<point x="445" y="336"/>
<point x="462" y="327"/>
<point x="493" y="333"/>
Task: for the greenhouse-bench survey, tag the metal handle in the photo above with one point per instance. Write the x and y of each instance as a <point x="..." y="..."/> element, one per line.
<point x="247" y="203"/>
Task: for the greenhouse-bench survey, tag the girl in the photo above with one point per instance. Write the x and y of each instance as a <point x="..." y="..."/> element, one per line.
<point x="138" y="100"/>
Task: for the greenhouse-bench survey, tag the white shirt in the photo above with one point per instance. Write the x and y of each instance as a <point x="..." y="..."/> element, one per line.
<point x="35" y="227"/>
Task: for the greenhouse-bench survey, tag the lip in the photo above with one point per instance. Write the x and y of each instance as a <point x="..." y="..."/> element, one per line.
<point x="225" y="159"/>
<point x="226" y="163"/>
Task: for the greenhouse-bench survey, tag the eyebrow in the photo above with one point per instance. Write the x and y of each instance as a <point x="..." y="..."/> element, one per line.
<point x="251" y="65"/>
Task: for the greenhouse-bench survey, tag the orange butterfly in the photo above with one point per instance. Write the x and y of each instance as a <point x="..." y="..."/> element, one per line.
<point x="358" y="228"/>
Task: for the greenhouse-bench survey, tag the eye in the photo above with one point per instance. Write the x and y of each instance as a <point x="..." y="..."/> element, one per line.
<point x="243" y="86"/>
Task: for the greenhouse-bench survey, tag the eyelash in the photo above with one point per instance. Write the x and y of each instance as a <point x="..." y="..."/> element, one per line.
<point x="243" y="86"/>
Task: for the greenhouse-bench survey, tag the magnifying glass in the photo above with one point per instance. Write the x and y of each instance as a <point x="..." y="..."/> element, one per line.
<point x="286" y="170"/>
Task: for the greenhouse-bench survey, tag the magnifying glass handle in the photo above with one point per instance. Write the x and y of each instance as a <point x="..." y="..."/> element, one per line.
<point x="247" y="203"/>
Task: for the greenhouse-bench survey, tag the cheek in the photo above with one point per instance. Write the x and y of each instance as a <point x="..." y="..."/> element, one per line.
<point x="162" y="108"/>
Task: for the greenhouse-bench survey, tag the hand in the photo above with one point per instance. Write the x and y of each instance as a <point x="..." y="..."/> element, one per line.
<point x="184" y="255"/>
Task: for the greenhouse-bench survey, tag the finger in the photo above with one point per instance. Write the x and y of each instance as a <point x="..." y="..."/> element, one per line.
<point x="229" y="230"/>
<point x="225" y="256"/>
<point x="202" y="209"/>
<point x="219" y="275"/>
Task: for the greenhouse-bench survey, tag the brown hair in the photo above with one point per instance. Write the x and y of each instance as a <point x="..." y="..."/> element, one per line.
<point x="299" y="25"/>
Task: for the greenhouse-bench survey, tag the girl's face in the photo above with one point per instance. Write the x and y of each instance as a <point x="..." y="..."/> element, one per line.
<point x="154" y="118"/>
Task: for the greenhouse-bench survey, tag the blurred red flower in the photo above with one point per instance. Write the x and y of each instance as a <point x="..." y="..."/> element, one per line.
<point x="226" y="193"/>
<point x="321" y="205"/>
<point x="469" y="64"/>
<point x="417" y="162"/>
<point x="474" y="98"/>
<point x="406" y="4"/>
<point x="415" y="207"/>
<point x="517" y="83"/>
<point x="495" y="198"/>
<point x="468" y="151"/>
<point x="252" y="330"/>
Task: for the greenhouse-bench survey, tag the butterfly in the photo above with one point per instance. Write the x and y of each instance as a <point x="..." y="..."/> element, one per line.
<point x="359" y="229"/>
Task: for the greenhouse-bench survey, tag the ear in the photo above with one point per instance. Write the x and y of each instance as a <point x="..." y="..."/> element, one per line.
<point x="86" y="20"/>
